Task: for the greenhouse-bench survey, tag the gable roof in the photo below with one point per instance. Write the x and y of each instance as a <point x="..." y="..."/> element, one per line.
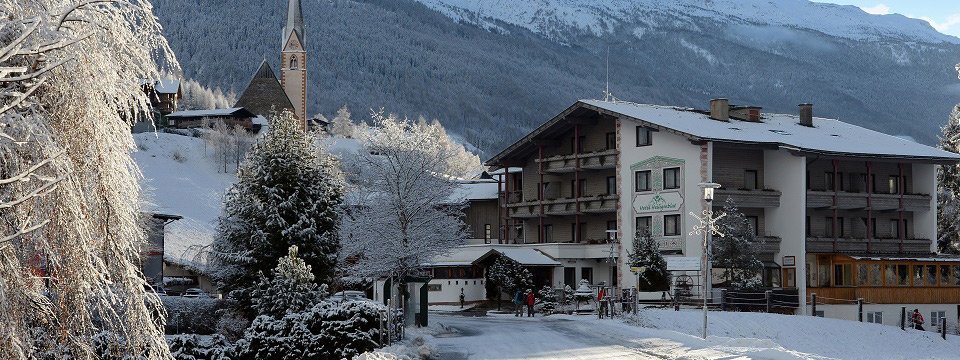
<point x="264" y="93"/>
<point x="827" y="137"/>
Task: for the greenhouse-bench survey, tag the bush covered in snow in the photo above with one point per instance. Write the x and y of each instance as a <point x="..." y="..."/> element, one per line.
<point x="328" y="330"/>
<point x="193" y="347"/>
<point x="192" y="315"/>
<point x="547" y="300"/>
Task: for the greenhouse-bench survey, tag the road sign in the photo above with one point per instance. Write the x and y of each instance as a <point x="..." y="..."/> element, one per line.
<point x="683" y="263"/>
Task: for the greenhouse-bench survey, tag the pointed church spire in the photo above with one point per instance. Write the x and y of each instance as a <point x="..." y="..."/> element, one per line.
<point x="294" y="22"/>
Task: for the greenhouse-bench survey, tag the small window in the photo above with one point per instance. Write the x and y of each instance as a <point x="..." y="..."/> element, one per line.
<point x="611" y="141"/>
<point x="935" y="317"/>
<point x="611" y="185"/>
<point x="895" y="228"/>
<point x="894" y="184"/>
<point x="843" y="274"/>
<point x="487" y="233"/>
<point x="643" y="136"/>
<point x="750" y="180"/>
<point x="434" y="287"/>
<point x="671" y="178"/>
<point x="874" y="277"/>
<point x="807" y="223"/>
<point x="754" y="222"/>
<point x="830" y="227"/>
<point x="644" y="223"/>
<point x="818" y="313"/>
<point x="671" y="225"/>
<point x="903" y="275"/>
<point x="790" y="277"/>
<point x="875" y="317"/>
<point x="643" y="180"/>
<point x="293" y="62"/>
<point x="548" y="233"/>
<point x="578" y="191"/>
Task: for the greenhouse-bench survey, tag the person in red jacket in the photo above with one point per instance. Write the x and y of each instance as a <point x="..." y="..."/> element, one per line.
<point x="917" y="319"/>
<point x="530" y="301"/>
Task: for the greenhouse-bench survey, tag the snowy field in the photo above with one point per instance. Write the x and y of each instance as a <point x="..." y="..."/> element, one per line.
<point x="665" y="334"/>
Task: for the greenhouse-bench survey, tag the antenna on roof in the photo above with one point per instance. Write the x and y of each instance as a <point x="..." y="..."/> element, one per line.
<point x="607" y="96"/>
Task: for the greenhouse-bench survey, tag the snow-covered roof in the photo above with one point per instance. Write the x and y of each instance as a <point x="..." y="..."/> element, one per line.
<point x="470" y="190"/>
<point x="234" y="111"/>
<point x="826" y="137"/>
<point x="938" y="258"/>
<point x="470" y="255"/>
<point x="167" y="86"/>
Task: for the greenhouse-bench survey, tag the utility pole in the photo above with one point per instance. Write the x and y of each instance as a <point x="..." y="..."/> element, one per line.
<point x="707" y="228"/>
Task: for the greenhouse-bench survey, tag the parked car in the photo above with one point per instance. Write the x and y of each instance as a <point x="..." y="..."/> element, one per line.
<point x="156" y="290"/>
<point x="195" y="293"/>
<point x="349" y="295"/>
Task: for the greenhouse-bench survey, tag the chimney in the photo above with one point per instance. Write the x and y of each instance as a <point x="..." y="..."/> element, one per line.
<point x="806" y="114"/>
<point x="720" y="109"/>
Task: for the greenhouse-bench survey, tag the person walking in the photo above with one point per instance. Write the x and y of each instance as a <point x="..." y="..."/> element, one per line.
<point x="518" y="301"/>
<point x="917" y="320"/>
<point x="601" y="302"/>
<point x="530" y="301"/>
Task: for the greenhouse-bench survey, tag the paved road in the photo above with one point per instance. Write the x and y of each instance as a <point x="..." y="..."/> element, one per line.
<point x="507" y="337"/>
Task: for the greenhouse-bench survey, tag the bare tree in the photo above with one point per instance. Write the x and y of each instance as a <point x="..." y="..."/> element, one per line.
<point x="70" y="226"/>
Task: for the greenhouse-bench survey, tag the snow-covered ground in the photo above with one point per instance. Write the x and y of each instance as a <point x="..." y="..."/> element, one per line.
<point x="188" y="184"/>
<point x="665" y="334"/>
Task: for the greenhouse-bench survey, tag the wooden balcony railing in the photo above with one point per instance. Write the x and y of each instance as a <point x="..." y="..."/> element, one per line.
<point x="749" y="198"/>
<point x="860" y="246"/>
<point x="597" y="160"/>
<point x="598" y="204"/>
<point x="887" y="295"/>
<point x="858" y="200"/>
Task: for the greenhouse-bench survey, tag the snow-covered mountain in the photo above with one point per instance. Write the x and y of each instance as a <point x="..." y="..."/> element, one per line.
<point x="492" y="70"/>
<point x="601" y="17"/>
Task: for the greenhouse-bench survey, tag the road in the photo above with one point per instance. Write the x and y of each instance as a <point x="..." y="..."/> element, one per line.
<point x="508" y="337"/>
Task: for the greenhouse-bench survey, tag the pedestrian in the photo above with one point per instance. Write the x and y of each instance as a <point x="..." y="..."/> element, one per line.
<point x="917" y="320"/>
<point x="530" y="302"/>
<point x="600" y="301"/>
<point x="518" y="301"/>
<point x="462" y="298"/>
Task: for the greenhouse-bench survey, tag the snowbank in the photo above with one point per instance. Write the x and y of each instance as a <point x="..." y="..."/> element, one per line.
<point x="179" y="178"/>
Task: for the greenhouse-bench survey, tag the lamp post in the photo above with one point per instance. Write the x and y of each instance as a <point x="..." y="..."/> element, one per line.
<point x="612" y="239"/>
<point x="707" y="228"/>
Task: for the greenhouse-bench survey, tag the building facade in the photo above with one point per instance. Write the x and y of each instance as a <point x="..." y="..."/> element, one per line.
<point x="839" y="210"/>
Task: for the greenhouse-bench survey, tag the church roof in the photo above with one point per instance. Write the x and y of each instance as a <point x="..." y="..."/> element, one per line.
<point x="294" y="22"/>
<point x="264" y="93"/>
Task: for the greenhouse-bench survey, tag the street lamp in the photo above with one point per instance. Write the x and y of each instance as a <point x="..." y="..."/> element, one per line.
<point x="707" y="228"/>
<point x="612" y="238"/>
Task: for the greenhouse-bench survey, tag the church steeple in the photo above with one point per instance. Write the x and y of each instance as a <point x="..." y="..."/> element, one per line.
<point x="293" y="60"/>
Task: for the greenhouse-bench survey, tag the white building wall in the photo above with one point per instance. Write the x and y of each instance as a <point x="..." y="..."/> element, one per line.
<point x="473" y="290"/>
<point x="787" y="173"/>
<point x="891" y="313"/>
<point x="667" y="145"/>
<point x="925" y="182"/>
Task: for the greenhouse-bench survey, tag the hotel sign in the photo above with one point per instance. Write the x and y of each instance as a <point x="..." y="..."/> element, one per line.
<point x="658" y="202"/>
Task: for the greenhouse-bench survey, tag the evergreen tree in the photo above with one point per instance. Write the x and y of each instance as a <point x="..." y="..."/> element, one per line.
<point x="287" y="193"/>
<point x="507" y="275"/>
<point x="547" y="298"/>
<point x="342" y="125"/>
<point x="290" y="290"/>
<point x="646" y="255"/>
<point x="948" y="189"/>
<point x="734" y="251"/>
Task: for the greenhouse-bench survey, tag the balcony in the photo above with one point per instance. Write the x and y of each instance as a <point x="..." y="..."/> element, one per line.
<point x="858" y="201"/>
<point x="768" y="248"/>
<point x="597" y="160"/>
<point x="877" y="246"/>
<point x="749" y="198"/>
<point x="599" y="204"/>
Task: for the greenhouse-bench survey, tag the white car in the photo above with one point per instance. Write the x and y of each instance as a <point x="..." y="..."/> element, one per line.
<point x="195" y="293"/>
<point x="349" y="295"/>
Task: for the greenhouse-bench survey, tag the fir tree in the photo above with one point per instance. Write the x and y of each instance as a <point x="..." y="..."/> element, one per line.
<point x="948" y="189"/>
<point x="547" y="297"/>
<point x="734" y="251"/>
<point x="646" y="255"/>
<point x="290" y="290"/>
<point x="507" y="275"/>
<point x="287" y="193"/>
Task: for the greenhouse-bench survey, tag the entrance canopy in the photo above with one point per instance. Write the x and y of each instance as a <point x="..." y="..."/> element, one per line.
<point x="470" y="255"/>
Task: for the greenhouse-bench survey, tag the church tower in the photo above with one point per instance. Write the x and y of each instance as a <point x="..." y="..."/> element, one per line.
<point x="293" y="60"/>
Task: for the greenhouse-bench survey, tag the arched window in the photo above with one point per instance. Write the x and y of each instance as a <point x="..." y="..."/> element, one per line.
<point x="293" y="62"/>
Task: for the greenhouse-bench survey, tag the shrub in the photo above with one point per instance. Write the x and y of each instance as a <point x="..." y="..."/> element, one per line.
<point x="192" y="315"/>
<point x="193" y="347"/>
<point x="179" y="156"/>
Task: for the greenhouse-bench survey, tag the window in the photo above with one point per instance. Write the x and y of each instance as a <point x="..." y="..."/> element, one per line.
<point x="890" y="275"/>
<point x="870" y="226"/>
<point x="895" y="228"/>
<point x="611" y="141"/>
<point x="754" y="222"/>
<point x="586" y="274"/>
<point x="935" y="317"/>
<point x="750" y="179"/>
<point x="576" y="144"/>
<point x="547" y="233"/>
<point x="643" y="136"/>
<point x="293" y="62"/>
<point x="611" y="185"/>
<point x="569" y="277"/>
<point x="875" y="317"/>
<point x="918" y="275"/>
<point x="434" y="287"/>
<point x="833" y="182"/>
<point x="862" y="275"/>
<point x="874" y="276"/>
<point x="790" y="277"/>
<point x="576" y="232"/>
<point x="644" y="223"/>
<point x="903" y="275"/>
<point x="843" y="275"/>
<point x="487" y="233"/>
<point x="894" y="183"/>
<point x="830" y="227"/>
<point x="671" y="178"/>
<point x="611" y="225"/>
<point x="945" y="279"/>
<point x="819" y="313"/>
<point x="671" y="225"/>
<point x="643" y="180"/>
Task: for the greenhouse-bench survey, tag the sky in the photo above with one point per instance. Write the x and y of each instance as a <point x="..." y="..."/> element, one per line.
<point x="943" y="15"/>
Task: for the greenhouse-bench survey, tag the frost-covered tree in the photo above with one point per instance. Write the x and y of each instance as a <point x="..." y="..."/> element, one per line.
<point x="460" y="161"/>
<point x="288" y="192"/>
<point x="342" y="125"/>
<point x="289" y="289"/>
<point x="547" y="298"/>
<point x="199" y="97"/>
<point x="400" y="215"/>
<point x="735" y="252"/>
<point x="70" y="231"/>
<point x="506" y="276"/>
<point x="948" y="189"/>
<point x="646" y="255"/>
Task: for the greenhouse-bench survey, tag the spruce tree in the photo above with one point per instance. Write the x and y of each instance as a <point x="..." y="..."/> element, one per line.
<point x="948" y="189"/>
<point x="290" y="289"/>
<point x="288" y="193"/>
<point x="734" y="251"/>
<point x="507" y="275"/>
<point x="646" y="255"/>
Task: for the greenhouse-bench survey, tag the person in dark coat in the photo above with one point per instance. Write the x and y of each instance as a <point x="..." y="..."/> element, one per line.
<point x="917" y="319"/>
<point x="530" y="301"/>
<point x="518" y="301"/>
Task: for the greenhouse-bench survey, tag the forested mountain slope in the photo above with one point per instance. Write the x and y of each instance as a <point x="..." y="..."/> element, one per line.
<point x="493" y="70"/>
